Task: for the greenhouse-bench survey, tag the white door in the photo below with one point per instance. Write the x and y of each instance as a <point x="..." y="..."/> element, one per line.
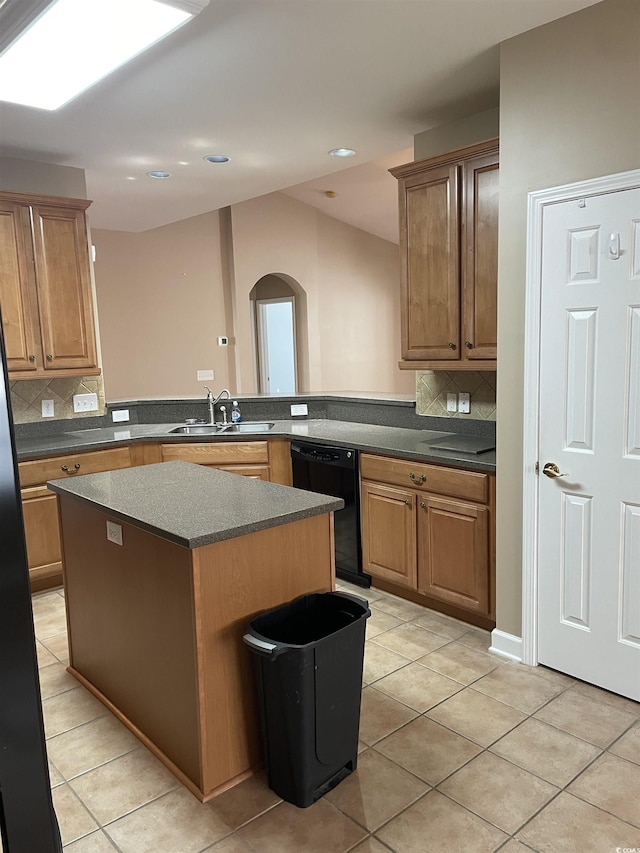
<point x="589" y="427"/>
<point x="276" y="345"/>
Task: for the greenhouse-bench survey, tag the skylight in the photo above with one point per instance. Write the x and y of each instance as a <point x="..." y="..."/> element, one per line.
<point x="75" y="43"/>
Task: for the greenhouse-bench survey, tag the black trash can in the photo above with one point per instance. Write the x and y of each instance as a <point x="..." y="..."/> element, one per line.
<point x="308" y="658"/>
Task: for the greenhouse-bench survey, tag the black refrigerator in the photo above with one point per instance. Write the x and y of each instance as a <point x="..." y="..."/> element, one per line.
<point x="27" y="820"/>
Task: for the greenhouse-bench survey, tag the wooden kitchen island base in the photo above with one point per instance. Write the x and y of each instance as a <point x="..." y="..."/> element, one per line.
<point x="155" y="629"/>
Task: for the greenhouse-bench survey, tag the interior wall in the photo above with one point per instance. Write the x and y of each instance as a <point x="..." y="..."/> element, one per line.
<point x="351" y="280"/>
<point x="359" y="310"/>
<point x="161" y="308"/>
<point x="569" y="111"/>
<point x="457" y="134"/>
<point x="28" y="176"/>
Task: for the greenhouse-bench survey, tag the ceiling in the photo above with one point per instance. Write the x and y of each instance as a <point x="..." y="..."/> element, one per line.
<point x="275" y="84"/>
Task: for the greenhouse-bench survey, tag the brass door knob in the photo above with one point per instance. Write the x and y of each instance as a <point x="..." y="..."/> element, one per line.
<point x="452" y="345"/>
<point x="408" y="503"/>
<point x="551" y="470"/>
<point x="32" y="358"/>
<point x="468" y="344"/>
<point x="49" y="358"/>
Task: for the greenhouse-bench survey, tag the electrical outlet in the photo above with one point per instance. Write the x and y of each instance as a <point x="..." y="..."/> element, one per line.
<point x="452" y="402"/>
<point x="299" y="409"/>
<point x="205" y="375"/>
<point x="223" y="341"/>
<point x="85" y="402"/>
<point x="464" y="404"/>
<point x="119" y="415"/>
<point x="47" y="408"/>
<point x="114" y="532"/>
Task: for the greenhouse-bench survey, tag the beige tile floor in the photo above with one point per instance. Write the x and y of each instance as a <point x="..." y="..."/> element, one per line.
<point x="460" y="750"/>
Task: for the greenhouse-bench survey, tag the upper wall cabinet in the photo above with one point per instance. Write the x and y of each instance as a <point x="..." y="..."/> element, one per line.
<point x="45" y="287"/>
<point x="449" y="259"/>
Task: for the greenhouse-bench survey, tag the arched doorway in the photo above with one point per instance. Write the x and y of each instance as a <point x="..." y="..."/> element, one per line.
<point x="280" y="334"/>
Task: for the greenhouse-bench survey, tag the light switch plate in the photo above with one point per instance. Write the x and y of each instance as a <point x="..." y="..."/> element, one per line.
<point x="114" y="532"/>
<point x="85" y="402"/>
<point x="205" y="375"/>
<point x="452" y="402"/>
<point x="47" y="408"/>
<point x="464" y="404"/>
<point x="223" y="341"/>
<point x="298" y="409"/>
<point x="120" y="415"/>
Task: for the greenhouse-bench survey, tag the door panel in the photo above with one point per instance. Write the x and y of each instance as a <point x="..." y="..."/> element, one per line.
<point x="431" y="320"/>
<point x="589" y="557"/>
<point x="14" y="288"/>
<point x="453" y="553"/>
<point x="64" y="289"/>
<point x="389" y="533"/>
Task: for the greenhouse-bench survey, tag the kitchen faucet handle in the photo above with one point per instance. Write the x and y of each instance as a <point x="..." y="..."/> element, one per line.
<point x="209" y="391"/>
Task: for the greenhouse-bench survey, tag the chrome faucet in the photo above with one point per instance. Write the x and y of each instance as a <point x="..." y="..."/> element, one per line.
<point x="211" y="401"/>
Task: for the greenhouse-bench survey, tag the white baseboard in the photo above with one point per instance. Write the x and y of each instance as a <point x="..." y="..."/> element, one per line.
<point x="506" y="645"/>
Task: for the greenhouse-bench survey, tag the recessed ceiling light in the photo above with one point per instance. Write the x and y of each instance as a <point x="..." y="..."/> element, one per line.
<point x="217" y="158"/>
<point x="159" y="174"/>
<point x="130" y="178"/>
<point x="79" y="43"/>
<point x="342" y="152"/>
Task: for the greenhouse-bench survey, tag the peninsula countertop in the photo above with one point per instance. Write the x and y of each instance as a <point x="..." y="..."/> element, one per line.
<point x="405" y="443"/>
<point x="192" y="505"/>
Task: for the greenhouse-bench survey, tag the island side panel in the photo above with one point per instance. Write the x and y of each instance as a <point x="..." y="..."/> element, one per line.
<point x="131" y="628"/>
<point x="234" y="581"/>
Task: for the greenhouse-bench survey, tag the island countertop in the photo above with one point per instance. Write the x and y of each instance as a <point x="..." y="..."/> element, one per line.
<point x="192" y="505"/>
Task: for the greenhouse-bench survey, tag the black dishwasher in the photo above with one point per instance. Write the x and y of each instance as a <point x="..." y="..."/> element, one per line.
<point x="334" y="471"/>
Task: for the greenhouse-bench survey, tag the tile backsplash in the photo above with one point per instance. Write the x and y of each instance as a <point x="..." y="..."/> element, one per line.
<point x="27" y="396"/>
<point x="432" y="387"/>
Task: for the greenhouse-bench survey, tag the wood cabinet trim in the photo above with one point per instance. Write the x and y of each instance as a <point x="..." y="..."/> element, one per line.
<point x="48" y="200"/>
<point x="407" y="170"/>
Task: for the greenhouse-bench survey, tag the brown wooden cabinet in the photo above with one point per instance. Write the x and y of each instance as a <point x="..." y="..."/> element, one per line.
<point x="45" y="287"/>
<point x="427" y="533"/>
<point x="448" y="259"/>
<point x="263" y="460"/>
<point x="40" y="507"/>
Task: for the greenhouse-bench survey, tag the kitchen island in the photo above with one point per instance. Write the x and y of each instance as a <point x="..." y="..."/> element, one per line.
<point x="163" y="566"/>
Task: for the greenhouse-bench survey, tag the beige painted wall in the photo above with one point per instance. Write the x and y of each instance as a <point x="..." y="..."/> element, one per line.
<point x="457" y="134"/>
<point x="160" y="302"/>
<point x="569" y="111"/>
<point x="28" y="176"/>
<point x="352" y="286"/>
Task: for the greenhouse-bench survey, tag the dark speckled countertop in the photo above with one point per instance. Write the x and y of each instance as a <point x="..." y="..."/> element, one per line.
<point x="192" y="505"/>
<point x="394" y="441"/>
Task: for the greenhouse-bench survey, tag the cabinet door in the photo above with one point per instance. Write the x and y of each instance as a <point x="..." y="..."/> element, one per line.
<point x="480" y="257"/>
<point x="15" y="301"/>
<point x="430" y="241"/>
<point x="42" y="535"/>
<point x="64" y="287"/>
<point x="389" y="533"/>
<point x="453" y="553"/>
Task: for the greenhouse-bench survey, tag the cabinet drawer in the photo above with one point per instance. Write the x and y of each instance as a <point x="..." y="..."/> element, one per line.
<point x="470" y="485"/>
<point x="220" y="453"/>
<point x="55" y="467"/>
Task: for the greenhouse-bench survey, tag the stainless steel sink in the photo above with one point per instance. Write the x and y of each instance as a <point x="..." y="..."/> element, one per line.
<point x="249" y="426"/>
<point x="220" y="429"/>
<point x="198" y="429"/>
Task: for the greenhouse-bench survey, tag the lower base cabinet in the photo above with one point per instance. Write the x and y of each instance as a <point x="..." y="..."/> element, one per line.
<point x="433" y="548"/>
<point x="40" y="507"/>
<point x="263" y="460"/>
